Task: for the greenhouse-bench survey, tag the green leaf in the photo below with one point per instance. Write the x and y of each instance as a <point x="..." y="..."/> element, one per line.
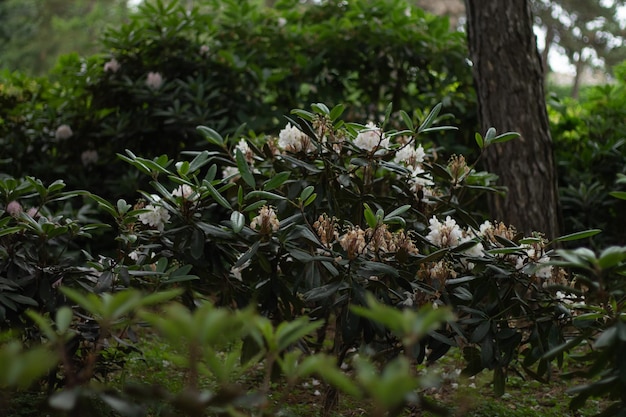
<point x="618" y="194"/>
<point x="306" y="192"/>
<point x="320" y="108"/>
<point x="400" y="210"/>
<point x="336" y="112"/>
<point x="578" y="235"/>
<point x="309" y="200"/>
<point x="217" y="196"/>
<point x="306" y="115"/>
<point x="264" y="195"/>
<point x="63" y="319"/>
<point x="289" y="332"/>
<point x="370" y="217"/>
<point x="490" y="135"/>
<point x="505" y="137"/>
<point x="199" y="161"/>
<point x="407" y="120"/>
<point x="210" y="135"/>
<point x="479" y="140"/>
<point x="237" y="221"/>
<point x="430" y="119"/>
<point x="244" y="169"/>
<point x="276" y="181"/>
<point x="248" y="254"/>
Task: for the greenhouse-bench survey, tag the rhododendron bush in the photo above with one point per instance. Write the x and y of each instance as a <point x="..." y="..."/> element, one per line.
<point x="326" y="220"/>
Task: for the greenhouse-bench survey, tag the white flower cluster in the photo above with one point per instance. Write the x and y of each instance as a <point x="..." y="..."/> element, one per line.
<point x="291" y="139"/>
<point x="532" y="261"/>
<point x="154" y="80"/>
<point x="155" y="216"/>
<point x="63" y="132"/>
<point x="112" y="66"/>
<point x="448" y="234"/>
<point x="371" y="138"/>
<point x="410" y="156"/>
<point x="420" y="180"/>
<point x="185" y="192"/>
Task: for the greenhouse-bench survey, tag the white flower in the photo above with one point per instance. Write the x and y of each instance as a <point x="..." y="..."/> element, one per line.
<point x="112" y="65"/>
<point x="293" y="140"/>
<point x="420" y="179"/>
<point x="410" y="155"/>
<point x="408" y="300"/>
<point x="186" y="192"/>
<point x="88" y="157"/>
<point x="475" y="251"/>
<point x="486" y="227"/>
<point x="245" y="150"/>
<point x="154" y="80"/>
<point x="156" y="216"/>
<point x="282" y="22"/>
<point x="530" y="264"/>
<point x="371" y="138"/>
<point x="63" y="132"/>
<point x="230" y="173"/>
<point x="204" y="50"/>
<point x="447" y="234"/>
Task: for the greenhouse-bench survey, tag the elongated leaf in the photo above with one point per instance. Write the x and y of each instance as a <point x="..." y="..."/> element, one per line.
<point x="430" y="119"/>
<point x="505" y="137"/>
<point x="248" y="254"/>
<point x="479" y="140"/>
<point x="407" y="120"/>
<point x="217" y="196"/>
<point x="370" y="217"/>
<point x="244" y="169"/>
<point x="265" y="195"/>
<point x="210" y="135"/>
<point x="276" y="181"/>
<point x="618" y="194"/>
<point x="400" y="210"/>
<point x="336" y="112"/>
<point x="320" y="108"/>
<point x="578" y="235"/>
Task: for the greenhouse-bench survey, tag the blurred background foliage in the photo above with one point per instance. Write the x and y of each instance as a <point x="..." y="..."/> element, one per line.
<point x="223" y="63"/>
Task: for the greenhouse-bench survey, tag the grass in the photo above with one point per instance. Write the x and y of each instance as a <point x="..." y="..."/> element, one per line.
<point x="461" y="396"/>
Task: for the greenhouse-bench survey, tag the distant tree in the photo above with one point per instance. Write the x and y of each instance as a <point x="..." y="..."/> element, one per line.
<point x="587" y="32"/>
<point x="509" y="85"/>
<point x="36" y="32"/>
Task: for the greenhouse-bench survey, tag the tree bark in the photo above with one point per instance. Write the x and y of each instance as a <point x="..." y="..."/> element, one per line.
<point x="580" y="67"/>
<point x="508" y="77"/>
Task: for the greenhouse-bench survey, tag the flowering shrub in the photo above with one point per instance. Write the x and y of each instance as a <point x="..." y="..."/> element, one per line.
<point x="328" y="222"/>
<point x="226" y="63"/>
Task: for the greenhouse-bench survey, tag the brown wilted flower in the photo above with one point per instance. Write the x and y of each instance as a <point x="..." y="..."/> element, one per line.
<point x="266" y="222"/>
<point x="326" y="229"/>
<point x="380" y="239"/>
<point x="353" y="242"/>
<point x="458" y="168"/>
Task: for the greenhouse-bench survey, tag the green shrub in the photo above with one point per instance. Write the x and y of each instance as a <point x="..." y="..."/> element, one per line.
<point x="222" y="64"/>
<point x="589" y="147"/>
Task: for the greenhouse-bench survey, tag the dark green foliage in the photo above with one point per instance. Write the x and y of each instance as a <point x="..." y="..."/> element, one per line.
<point x="224" y="63"/>
<point x="589" y="137"/>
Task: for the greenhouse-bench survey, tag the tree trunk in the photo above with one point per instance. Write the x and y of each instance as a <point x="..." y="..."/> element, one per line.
<point x="545" y="54"/>
<point x="580" y="67"/>
<point x="509" y="84"/>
